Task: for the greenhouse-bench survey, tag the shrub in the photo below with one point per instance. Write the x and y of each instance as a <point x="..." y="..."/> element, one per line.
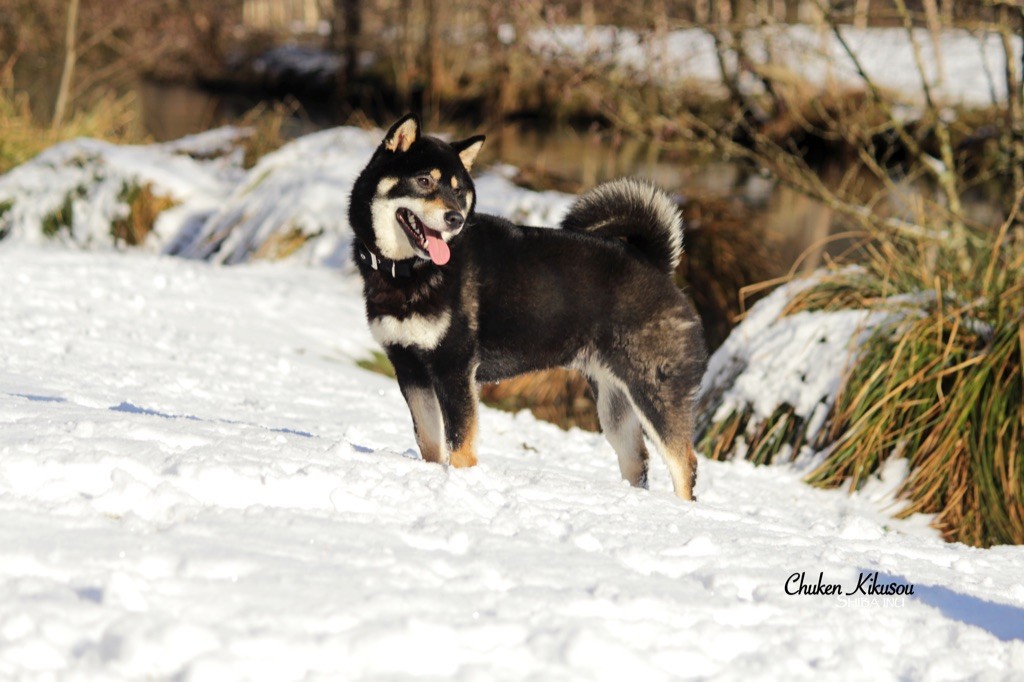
<point x="940" y="382"/>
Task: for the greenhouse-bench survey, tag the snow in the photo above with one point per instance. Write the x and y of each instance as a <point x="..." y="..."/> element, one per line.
<point x="962" y="68"/>
<point x="197" y="483"/>
<point x="771" y="359"/>
<point x="225" y="214"/>
<point x="303" y="186"/>
<point x="92" y="174"/>
<point x="291" y="63"/>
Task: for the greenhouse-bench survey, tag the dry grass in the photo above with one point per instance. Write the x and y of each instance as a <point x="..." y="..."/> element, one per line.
<point x="942" y="384"/>
<point x="556" y="395"/>
<point x="281" y="244"/>
<point x="944" y="387"/>
<point x="268" y="124"/>
<point x="22" y="137"/>
<point x="60" y="219"/>
<point x="144" y="206"/>
<point x="771" y="441"/>
<point x="379" y="363"/>
<point x="945" y="391"/>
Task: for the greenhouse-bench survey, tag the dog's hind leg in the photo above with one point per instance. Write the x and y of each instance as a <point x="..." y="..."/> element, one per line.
<point x="622" y="428"/>
<point x="662" y="364"/>
<point x="677" y="449"/>
<point x="667" y="413"/>
<point x="661" y="390"/>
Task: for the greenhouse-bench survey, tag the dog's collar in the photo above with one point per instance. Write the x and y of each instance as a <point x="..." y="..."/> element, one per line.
<point x="395" y="268"/>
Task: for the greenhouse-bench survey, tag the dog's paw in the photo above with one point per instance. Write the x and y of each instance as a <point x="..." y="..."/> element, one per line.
<point x="463" y="457"/>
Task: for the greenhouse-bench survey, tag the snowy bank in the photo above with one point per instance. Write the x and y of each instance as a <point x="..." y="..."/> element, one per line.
<point x="73" y="192"/>
<point x="961" y="67"/>
<point x="197" y="483"/>
<point x="294" y="202"/>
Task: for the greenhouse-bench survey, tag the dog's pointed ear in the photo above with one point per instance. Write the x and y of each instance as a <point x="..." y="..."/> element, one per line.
<point x="403" y="133"/>
<point x="468" y="149"/>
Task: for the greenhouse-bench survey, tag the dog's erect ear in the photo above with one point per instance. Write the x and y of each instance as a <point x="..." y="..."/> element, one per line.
<point x="468" y="149"/>
<point x="401" y="136"/>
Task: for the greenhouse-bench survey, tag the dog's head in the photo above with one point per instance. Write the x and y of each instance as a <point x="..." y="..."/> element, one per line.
<point x="415" y="195"/>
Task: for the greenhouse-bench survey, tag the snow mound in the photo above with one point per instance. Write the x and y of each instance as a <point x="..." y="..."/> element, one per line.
<point x="74" y="191"/>
<point x="293" y="203"/>
<point x="798" y="361"/>
<point x="301" y="189"/>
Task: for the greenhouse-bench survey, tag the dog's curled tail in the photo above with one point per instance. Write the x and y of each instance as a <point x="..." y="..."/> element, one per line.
<point x="635" y="210"/>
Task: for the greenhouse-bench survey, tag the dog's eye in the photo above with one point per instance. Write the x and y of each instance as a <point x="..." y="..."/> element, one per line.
<point x="424" y="181"/>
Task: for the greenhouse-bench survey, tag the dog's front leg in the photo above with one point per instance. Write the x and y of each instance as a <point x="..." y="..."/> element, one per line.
<point x="456" y="392"/>
<point x="418" y="390"/>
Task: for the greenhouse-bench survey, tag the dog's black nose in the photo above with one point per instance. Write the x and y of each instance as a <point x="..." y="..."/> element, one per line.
<point x="454" y="220"/>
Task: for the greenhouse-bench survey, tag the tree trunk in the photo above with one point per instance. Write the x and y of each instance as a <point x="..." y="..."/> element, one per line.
<point x="347" y="29"/>
<point x="1013" y="134"/>
<point x="70" y="57"/>
<point x="435" y="58"/>
<point x="931" y="12"/>
<point x="588" y="16"/>
<point x="701" y="12"/>
<point x="861" y="13"/>
<point x="353" y="33"/>
<point x="947" y="12"/>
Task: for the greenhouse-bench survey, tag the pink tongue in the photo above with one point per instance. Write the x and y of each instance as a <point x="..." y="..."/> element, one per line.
<point x="439" y="251"/>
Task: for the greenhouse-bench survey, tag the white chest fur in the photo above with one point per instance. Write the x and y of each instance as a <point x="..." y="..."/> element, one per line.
<point x="416" y="330"/>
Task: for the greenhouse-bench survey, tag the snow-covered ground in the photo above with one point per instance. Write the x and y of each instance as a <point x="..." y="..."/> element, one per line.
<point x="197" y="483"/>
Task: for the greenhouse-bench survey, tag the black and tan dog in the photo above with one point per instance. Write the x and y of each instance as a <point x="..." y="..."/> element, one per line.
<point x="457" y="297"/>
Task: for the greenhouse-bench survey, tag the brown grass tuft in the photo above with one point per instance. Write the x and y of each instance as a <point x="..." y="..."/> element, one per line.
<point x="268" y="125"/>
<point x="22" y="137"/>
<point x="144" y="206"/>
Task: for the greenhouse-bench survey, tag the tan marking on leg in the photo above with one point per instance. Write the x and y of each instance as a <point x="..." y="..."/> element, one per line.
<point x="465" y="455"/>
<point x="682" y="464"/>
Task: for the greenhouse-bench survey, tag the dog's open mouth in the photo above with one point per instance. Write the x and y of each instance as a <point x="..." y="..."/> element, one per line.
<point x="427" y="240"/>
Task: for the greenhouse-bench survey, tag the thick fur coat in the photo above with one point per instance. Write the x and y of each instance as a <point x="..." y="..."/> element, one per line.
<point x="456" y="297"/>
